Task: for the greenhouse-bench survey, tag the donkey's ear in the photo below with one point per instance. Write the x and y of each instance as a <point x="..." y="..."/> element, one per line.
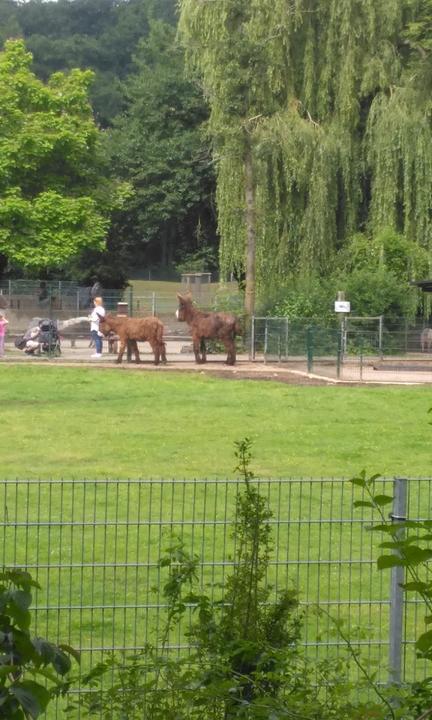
<point x="180" y="297"/>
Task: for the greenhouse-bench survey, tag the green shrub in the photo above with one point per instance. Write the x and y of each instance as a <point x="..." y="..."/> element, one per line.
<point x="302" y="298"/>
<point x="27" y="684"/>
<point x="244" y="661"/>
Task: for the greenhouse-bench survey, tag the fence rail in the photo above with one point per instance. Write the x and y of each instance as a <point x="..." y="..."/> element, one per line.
<point x="95" y="547"/>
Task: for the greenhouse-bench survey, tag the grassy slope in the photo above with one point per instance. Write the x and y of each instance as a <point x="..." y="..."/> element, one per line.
<point x="87" y="423"/>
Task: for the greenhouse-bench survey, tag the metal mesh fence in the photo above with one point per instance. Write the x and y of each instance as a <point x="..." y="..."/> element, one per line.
<point x="354" y="349"/>
<point x="95" y="546"/>
<point x="25" y="300"/>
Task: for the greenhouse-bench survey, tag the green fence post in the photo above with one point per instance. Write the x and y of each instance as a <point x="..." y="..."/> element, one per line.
<point x="339" y="354"/>
<point x="131" y="301"/>
<point x="309" y="349"/>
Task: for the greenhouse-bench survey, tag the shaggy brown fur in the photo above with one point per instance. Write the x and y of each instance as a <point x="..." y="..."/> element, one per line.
<point x="130" y="330"/>
<point x="209" y="325"/>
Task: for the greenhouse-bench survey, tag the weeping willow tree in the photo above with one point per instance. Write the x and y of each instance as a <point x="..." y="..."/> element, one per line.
<point x="399" y="138"/>
<point x="315" y="128"/>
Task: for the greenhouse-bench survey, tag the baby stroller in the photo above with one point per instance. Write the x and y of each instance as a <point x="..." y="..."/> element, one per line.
<point x="41" y="337"/>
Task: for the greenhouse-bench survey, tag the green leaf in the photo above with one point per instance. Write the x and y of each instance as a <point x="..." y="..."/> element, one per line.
<point x="71" y="651"/>
<point x="32" y="697"/>
<point x="21" y="599"/>
<point x="385" y="528"/>
<point x="389" y="561"/>
<point x="21" y="618"/>
<point x="416" y="586"/>
<point x="415" y="555"/>
<point x="61" y="662"/>
<point x="382" y="500"/>
<point x="45" y="649"/>
<point x="360" y="481"/>
<point x="424" y="642"/>
<point x="363" y="503"/>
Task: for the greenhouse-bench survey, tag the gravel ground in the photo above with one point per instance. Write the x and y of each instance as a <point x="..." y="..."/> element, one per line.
<point x="180" y="358"/>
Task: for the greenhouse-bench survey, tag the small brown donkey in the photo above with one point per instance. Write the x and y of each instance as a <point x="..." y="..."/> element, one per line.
<point x="209" y="326"/>
<point x="130" y="330"/>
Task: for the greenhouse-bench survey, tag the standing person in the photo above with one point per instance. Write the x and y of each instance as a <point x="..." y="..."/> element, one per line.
<point x="96" y="335"/>
<point x="3" y="323"/>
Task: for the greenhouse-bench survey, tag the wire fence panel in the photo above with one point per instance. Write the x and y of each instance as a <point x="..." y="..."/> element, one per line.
<point x="95" y="547"/>
<point x="353" y="349"/>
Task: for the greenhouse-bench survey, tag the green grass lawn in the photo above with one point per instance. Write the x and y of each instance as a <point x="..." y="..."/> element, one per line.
<point x="95" y="547"/>
<point x="63" y="422"/>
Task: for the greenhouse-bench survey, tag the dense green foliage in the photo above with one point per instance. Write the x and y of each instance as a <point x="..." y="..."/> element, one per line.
<point x="157" y="146"/>
<point x="138" y="86"/>
<point x="407" y="544"/>
<point x="31" y="668"/>
<point x="318" y="122"/>
<point x="99" y="34"/>
<point x="52" y="196"/>
<point x="324" y="97"/>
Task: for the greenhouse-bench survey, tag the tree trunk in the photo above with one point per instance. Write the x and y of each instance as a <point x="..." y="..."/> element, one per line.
<point x="250" y="234"/>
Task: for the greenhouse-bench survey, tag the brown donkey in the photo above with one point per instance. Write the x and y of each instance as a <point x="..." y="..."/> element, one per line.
<point x="209" y="326"/>
<point x="130" y="330"/>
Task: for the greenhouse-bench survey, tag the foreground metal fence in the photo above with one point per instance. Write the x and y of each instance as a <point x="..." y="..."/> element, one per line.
<point x="95" y="546"/>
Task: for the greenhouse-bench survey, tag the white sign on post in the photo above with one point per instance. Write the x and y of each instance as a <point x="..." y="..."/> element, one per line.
<point x="342" y="306"/>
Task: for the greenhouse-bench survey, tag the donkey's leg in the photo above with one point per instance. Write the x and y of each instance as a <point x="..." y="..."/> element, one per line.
<point x="196" y="348"/>
<point x="231" y="351"/>
<point x="135" y="351"/>
<point x="156" y="351"/>
<point x="163" y="352"/>
<point x="122" y="348"/>
<point x="203" y="349"/>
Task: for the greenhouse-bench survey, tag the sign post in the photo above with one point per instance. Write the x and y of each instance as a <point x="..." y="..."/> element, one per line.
<point x="343" y="307"/>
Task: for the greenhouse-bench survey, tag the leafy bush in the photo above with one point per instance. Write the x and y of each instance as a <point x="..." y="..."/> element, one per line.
<point x="303" y="298"/>
<point x="244" y="661"/>
<point x="409" y="543"/>
<point x="378" y="292"/>
<point x="24" y="660"/>
<point x="376" y="272"/>
<point x="387" y="249"/>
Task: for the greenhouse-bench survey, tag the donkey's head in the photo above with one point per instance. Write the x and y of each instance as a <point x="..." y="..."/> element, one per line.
<point x="105" y="324"/>
<point x="184" y="307"/>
